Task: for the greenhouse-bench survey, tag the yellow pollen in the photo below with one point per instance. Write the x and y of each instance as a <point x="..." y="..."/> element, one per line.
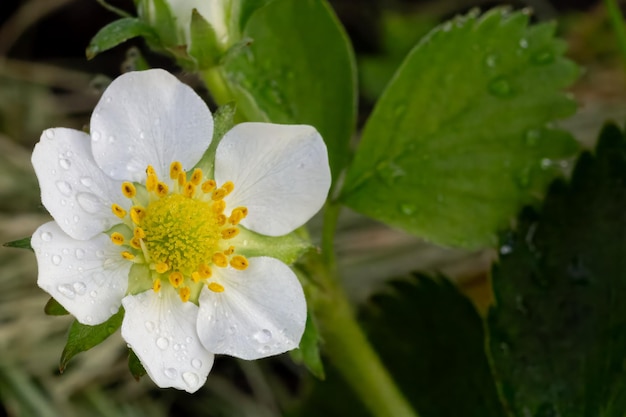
<point x="219" y="206"/>
<point x="117" y="238"/>
<point x="205" y="271"/>
<point x="239" y="262"/>
<point x="128" y="256"/>
<point x="151" y="182"/>
<point x="161" y="267"/>
<point x="189" y="190"/>
<point x="128" y="189"/>
<point x="139" y="233"/>
<point x="175" y="169"/>
<point x="195" y="276"/>
<point x="135" y="243"/>
<point x="150" y="170"/>
<point x="237" y="215"/>
<point x="215" y="287"/>
<point x="156" y="285"/>
<point x="182" y="178"/>
<point x="219" y="259"/>
<point x="221" y="192"/>
<point x="118" y="211"/>
<point x="221" y="219"/>
<point x="196" y="177"/>
<point x="184" y="293"/>
<point x="137" y="214"/>
<point x="176" y="278"/>
<point x="208" y="186"/>
<point x="162" y="189"/>
<point x="229" y="251"/>
<point x="230" y="233"/>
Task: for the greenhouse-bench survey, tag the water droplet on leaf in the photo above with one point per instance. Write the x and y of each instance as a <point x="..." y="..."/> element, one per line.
<point x="500" y="87"/>
<point x="408" y="209"/>
<point x="543" y="57"/>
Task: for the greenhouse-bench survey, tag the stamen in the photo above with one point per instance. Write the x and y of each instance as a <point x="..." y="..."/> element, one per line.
<point x="239" y="262"/>
<point x="139" y="233"/>
<point x="118" y="211"/>
<point x="215" y="287"/>
<point x="195" y="276"/>
<point x="208" y="186"/>
<point x="117" y="238"/>
<point x="137" y="214"/>
<point x="229" y="251"/>
<point x="237" y="215"/>
<point x="135" y="243"/>
<point x="196" y="177"/>
<point x="221" y="219"/>
<point x="230" y="233"/>
<point x="151" y="182"/>
<point x="150" y="170"/>
<point x="182" y="178"/>
<point x="176" y="278"/>
<point x="161" y="267"/>
<point x="223" y="191"/>
<point x="162" y="189"/>
<point x="128" y="189"/>
<point x="184" y="294"/>
<point x="219" y="259"/>
<point x="189" y="190"/>
<point x="219" y="206"/>
<point x="175" y="169"/>
<point x="128" y="256"/>
<point x="205" y="271"/>
<point x="156" y="285"/>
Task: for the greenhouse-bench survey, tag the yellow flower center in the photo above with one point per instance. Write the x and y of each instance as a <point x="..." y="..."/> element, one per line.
<point x="182" y="233"/>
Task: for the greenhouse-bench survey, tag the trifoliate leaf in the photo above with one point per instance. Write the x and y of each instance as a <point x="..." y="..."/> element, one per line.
<point x="53" y="308"/>
<point x="459" y="141"/>
<point x="23" y="243"/>
<point x="298" y="68"/>
<point x="558" y="331"/>
<point x="118" y="32"/>
<point x="83" y="337"/>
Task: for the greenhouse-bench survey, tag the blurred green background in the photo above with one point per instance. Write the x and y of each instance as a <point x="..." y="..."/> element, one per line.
<point x="45" y="81"/>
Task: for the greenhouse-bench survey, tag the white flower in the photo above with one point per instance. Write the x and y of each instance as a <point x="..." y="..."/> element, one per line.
<point x="136" y="225"/>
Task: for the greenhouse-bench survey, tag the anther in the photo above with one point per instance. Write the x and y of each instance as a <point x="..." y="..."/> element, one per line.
<point x="218" y="206"/>
<point x="150" y="170"/>
<point x="229" y="251"/>
<point x="221" y="219"/>
<point x="208" y="186"/>
<point x="151" y="182"/>
<point x="215" y="287"/>
<point x="176" y="278"/>
<point x="156" y="285"/>
<point x="117" y="238"/>
<point x="196" y="177"/>
<point x="239" y="262"/>
<point x="161" y="267"/>
<point x="175" y="169"/>
<point x="128" y="256"/>
<point x="118" y="211"/>
<point x="137" y="214"/>
<point x="219" y="259"/>
<point x="135" y="243"/>
<point x="184" y="294"/>
<point x="139" y="233"/>
<point x="128" y="189"/>
<point x="204" y="271"/>
<point x="230" y="233"/>
<point x="195" y="276"/>
<point x="237" y="215"/>
<point x="182" y="178"/>
<point x="189" y="190"/>
<point x="162" y="189"/>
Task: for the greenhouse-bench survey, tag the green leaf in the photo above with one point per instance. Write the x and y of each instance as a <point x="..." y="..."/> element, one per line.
<point x="299" y="68"/>
<point x="431" y="339"/>
<point x="308" y="353"/>
<point x="83" y="337"/>
<point x="204" y="48"/>
<point x="118" y="32"/>
<point x="460" y="140"/>
<point x="558" y="332"/>
<point x="53" y="308"/>
<point x="23" y="243"/>
<point x="134" y="365"/>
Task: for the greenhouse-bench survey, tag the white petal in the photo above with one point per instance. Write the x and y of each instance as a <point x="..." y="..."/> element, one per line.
<point x="261" y="312"/>
<point x="149" y="118"/>
<point x="73" y="189"/>
<point x="161" y="330"/>
<point x="87" y="277"/>
<point x="280" y="173"/>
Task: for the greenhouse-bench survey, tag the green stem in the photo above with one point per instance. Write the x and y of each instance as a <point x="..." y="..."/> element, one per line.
<point x="214" y="80"/>
<point x="617" y="20"/>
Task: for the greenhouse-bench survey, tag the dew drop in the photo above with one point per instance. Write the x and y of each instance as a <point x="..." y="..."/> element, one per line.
<point x="98" y="278"/>
<point x="93" y="294"/>
<point x="64" y="187"/>
<point x="506" y="249"/>
<point x="262" y="336"/>
<point x="171" y="373"/>
<point x="67" y="291"/>
<point x="86" y="181"/>
<point x="100" y="253"/>
<point x="232" y="329"/>
<point x="88" y="319"/>
<point x="176" y="346"/>
<point x="142" y="135"/>
<point x="196" y="363"/>
<point x="56" y="259"/>
<point x="50" y="134"/>
<point x="408" y="208"/>
<point x="546" y="163"/>
<point x="149" y="326"/>
<point x="266" y="349"/>
<point x="500" y="87"/>
<point x="113" y="310"/>
<point x="112" y="139"/>
<point x="523" y="43"/>
<point x="191" y="379"/>
<point x="80" y="253"/>
<point x="108" y="99"/>
<point x="162" y="343"/>
<point x="76" y="219"/>
<point x="491" y="60"/>
<point x="95" y="136"/>
<point x="46" y="236"/>
<point x="542" y="57"/>
<point x="79" y="288"/>
<point x="189" y="339"/>
<point x="88" y="202"/>
<point x="65" y="163"/>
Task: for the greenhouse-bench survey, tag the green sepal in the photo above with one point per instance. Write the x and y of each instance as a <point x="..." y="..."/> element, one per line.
<point x="139" y="279"/>
<point x="308" y="353"/>
<point x="205" y="48"/>
<point x="54" y="308"/>
<point x="461" y="138"/>
<point x="287" y="248"/>
<point x="223" y="121"/>
<point x="117" y="32"/>
<point x="164" y="23"/>
<point x="134" y="365"/>
<point x="23" y="243"/>
<point x="83" y="337"/>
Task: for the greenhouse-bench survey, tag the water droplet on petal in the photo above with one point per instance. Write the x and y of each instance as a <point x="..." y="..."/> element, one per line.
<point x="89" y="202"/>
<point x="171" y="373"/>
<point x="176" y="346"/>
<point x="266" y="349"/>
<point x="162" y="343"/>
<point x="232" y="329"/>
<point x="46" y="236"/>
<point x="64" y="187"/>
<point x="112" y="139"/>
<point x="56" y="259"/>
<point x="50" y="134"/>
<point x="79" y="288"/>
<point x="196" y="363"/>
<point x="108" y="99"/>
<point x="500" y="87"/>
<point x="189" y="339"/>
<point x="86" y="181"/>
<point x="142" y="135"/>
<point x="65" y="163"/>
<point x="113" y="309"/>
<point x="67" y="291"/>
<point x="95" y="135"/>
<point x="80" y="254"/>
<point x="191" y="379"/>
<point x="98" y="278"/>
<point x="76" y="219"/>
<point x="262" y="336"/>
<point x="93" y="294"/>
